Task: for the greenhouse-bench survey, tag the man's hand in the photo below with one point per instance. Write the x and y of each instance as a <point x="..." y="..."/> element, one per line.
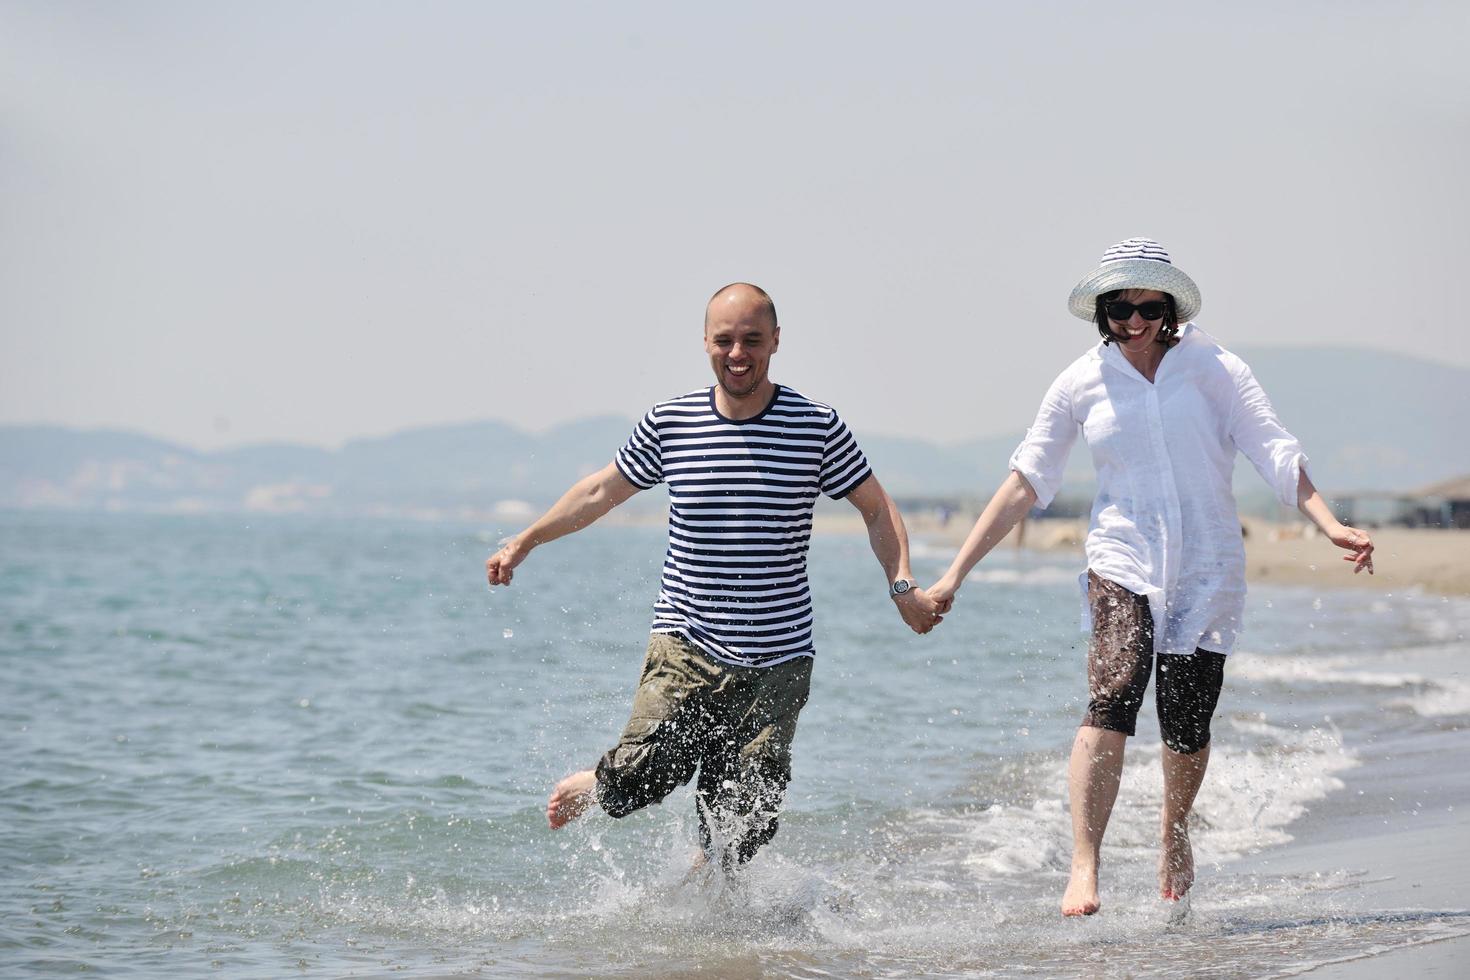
<point x="918" y="610"/>
<point x="587" y="500"/>
<point x="500" y="567"/>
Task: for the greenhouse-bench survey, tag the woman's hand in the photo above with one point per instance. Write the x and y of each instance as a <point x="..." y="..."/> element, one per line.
<point x="1315" y="509"/>
<point x="918" y="610"/>
<point x="1354" y="540"/>
<point x="942" y="593"/>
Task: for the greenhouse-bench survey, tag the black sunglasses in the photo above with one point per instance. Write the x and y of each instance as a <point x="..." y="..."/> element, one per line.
<point x="1118" y="310"/>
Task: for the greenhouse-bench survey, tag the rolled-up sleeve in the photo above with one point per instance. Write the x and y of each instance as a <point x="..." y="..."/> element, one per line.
<point x="1259" y="434"/>
<point x="1042" y="456"/>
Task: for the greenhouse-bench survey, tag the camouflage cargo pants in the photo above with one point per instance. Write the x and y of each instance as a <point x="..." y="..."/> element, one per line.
<point x="733" y="724"/>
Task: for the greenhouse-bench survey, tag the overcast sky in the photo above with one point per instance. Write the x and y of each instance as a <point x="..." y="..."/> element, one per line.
<point x="308" y="222"/>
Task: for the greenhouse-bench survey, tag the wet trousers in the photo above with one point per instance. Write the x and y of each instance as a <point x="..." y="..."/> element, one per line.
<point x="1120" y="658"/>
<point x="733" y="724"/>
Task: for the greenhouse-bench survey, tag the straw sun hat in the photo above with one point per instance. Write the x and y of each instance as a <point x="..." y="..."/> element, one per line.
<point x="1138" y="263"/>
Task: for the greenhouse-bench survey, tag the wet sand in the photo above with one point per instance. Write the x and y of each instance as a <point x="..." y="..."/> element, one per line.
<point x="1415" y="876"/>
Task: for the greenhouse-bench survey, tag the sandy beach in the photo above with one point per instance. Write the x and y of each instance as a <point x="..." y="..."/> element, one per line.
<point x="1431" y="559"/>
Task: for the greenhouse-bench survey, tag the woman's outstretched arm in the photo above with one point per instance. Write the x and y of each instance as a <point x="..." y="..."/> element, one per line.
<point x="1311" y="504"/>
<point x="1011" y="502"/>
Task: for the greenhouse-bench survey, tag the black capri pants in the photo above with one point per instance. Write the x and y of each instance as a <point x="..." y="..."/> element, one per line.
<point x="1120" y="657"/>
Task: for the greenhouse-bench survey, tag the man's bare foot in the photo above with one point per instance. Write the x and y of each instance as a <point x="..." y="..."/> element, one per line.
<point x="571" y="798"/>
<point x="701" y="870"/>
<point x="1081" y="895"/>
<point x="1176" y="863"/>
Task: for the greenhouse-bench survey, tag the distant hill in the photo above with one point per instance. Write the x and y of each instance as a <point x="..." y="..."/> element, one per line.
<point x="438" y="470"/>
<point x="1369" y="420"/>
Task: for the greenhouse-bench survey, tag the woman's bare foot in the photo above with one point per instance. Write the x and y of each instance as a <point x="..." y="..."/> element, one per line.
<point x="1176" y="863"/>
<point x="571" y="798"/>
<point x="1081" y="896"/>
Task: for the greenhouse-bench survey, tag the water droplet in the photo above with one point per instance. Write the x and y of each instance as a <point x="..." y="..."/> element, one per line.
<point x="507" y="633"/>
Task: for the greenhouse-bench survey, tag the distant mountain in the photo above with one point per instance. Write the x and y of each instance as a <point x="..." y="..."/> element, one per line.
<point x="1369" y="420"/>
<point x="439" y="470"/>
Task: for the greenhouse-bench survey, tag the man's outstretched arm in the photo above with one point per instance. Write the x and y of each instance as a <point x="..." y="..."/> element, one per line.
<point x="890" y="542"/>
<point x="587" y="500"/>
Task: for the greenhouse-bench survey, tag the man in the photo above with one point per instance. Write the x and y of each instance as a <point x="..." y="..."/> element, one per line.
<point x="729" y="661"/>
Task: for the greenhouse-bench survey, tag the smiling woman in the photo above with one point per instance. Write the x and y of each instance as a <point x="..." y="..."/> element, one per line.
<point x="1141" y="322"/>
<point x="1143" y="318"/>
<point x="1163" y="409"/>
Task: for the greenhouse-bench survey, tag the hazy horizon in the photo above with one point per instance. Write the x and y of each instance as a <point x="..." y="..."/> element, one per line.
<point x="630" y="417"/>
<point x="234" y="225"/>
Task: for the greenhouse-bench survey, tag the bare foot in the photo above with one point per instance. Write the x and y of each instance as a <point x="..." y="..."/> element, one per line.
<point x="571" y="798"/>
<point x="701" y="870"/>
<point x="1081" y="896"/>
<point x="1176" y="863"/>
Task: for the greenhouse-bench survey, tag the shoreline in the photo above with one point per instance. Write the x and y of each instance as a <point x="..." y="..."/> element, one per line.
<point x="1432" y="559"/>
<point x="1406" y="862"/>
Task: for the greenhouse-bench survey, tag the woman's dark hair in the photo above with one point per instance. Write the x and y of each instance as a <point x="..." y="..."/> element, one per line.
<point x="1167" y="331"/>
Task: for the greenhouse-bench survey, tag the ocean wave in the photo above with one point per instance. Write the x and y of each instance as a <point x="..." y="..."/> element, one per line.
<point x="1425" y="691"/>
<point x="1262" y="778"/>
<point x="1256" y="788"/>
<point x="1250" y="798"/>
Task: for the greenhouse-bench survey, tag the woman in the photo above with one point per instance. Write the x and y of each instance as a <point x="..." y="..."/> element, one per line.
<point x="1163" y="409"/>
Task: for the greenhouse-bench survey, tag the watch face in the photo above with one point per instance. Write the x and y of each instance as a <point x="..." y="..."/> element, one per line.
<point x="901" y="586"/>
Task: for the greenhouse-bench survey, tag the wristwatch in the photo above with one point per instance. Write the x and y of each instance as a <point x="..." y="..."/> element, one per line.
<point x="899" y="587"/>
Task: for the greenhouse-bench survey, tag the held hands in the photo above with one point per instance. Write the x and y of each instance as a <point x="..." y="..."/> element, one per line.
<point x="942" y="592"/>
<point x="500" y="567"/>
<point x="918" y="610"/>
<point x="1356" y="541"/>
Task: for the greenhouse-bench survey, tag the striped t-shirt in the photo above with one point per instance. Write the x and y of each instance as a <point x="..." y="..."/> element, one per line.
<point x="741" y="494"/>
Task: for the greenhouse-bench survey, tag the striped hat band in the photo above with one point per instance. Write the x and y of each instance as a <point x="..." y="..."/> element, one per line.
<point x="1136" y="248"/>
<point x="1135" y="263"/>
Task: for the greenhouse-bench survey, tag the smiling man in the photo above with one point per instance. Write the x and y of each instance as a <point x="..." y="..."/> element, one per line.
<point x="729" y="662"/>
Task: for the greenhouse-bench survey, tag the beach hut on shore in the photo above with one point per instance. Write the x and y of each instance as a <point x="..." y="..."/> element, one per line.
<point x="1447" y="503"/>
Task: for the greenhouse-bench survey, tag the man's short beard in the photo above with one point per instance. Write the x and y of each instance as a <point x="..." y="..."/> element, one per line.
<point x="733" y="393"/>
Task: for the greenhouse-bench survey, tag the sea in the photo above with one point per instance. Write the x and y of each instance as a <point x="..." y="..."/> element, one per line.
<point x="280" y="746"/>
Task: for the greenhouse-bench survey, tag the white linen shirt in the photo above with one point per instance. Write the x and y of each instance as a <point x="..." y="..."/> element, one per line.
<point x="1164" y="523"/>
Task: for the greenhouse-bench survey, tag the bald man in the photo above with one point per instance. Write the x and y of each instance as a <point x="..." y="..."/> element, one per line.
<point x="729" y="662"/>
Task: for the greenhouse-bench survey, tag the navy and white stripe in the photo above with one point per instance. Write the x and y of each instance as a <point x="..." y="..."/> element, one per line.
<point x="1136" y="248"/>
<point x="741" y="494"/>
